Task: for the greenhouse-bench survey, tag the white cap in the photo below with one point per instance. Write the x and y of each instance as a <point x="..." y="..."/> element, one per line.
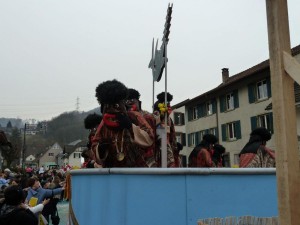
<point x="7" y="170"/>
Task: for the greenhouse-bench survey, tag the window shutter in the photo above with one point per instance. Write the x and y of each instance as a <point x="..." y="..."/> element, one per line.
<point x="271" y="122"/>
<point x="222" y="103"/>
<point x="269" y="87"/>
<point x="251" y="93"/>
<point x="236" y="98"/>
<point x="190" y="113"/>
<point x="253" y="122"/>
<point x="197" y="134"/>
<point x="214" y="106"/>
<point x="207" y="131"/>
<point x="182" y="118"/>
<point x="189" y="140"/>
<point x="237" y="125"/>
<point x="201" y="110"/>
<point x="183" y="139"/>
<point x="176" y="119"/>
<point x="224" y="135"/>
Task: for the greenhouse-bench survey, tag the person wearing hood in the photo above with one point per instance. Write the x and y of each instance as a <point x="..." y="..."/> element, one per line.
<point x="255" y="153"/>
<point x="11" y="210"/>
<point x="202" y="154"/>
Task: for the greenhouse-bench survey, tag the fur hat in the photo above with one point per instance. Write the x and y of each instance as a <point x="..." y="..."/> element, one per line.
<point x="133" y="94"/>
<point x="262" y="133"/>
<point x="161" y="97"/>
<point x="92" y="120"/>
<point x="219" y="148"/>
<point x="210" y="139"/>
<point x="111" y="92"/>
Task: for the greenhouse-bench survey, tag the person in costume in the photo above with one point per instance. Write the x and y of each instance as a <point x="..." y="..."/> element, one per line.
<point x="160" y="110"/>
<point x="91" y="122"/>
<point x="122" y="137"/>
<point x="202" y="154"/>
<point x="133" y="103"/>
<point x="217" y="155"/>
<point x="255" y="153"/>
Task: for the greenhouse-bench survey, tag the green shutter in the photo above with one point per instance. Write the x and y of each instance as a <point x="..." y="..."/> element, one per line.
<point x="182" y="118"/>
<point x="224" y="134"/>
<point x="269" y="87"/>
<point x="253" y="122"/>
<point x="236" y="98"/>
<point x="237" y="126"/>
<point x="214" y="106"/>
<point x="197" y="141"/>
<point x="189" y="140"/>
<point x="176" y="119"/>
<point x="222" y="103"/>
<point x="190" y="113"/>
<point x="271" y="123"/>
<point x="251" y="93"/>
<point x="183" y="139"/>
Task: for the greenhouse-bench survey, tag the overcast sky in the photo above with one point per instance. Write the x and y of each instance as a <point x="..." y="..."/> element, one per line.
<point x="53" y="52"/>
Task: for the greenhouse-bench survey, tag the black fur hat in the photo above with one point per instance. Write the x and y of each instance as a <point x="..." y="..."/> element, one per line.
<point x="219" y="148"/>
<point x="261" y="132"/>
<point x="161" y="97"/>
<point x="133" y="94"/>
<point x="210" y="138"/>
<point x="111" y="92"/>
<point x="92" y="120"/>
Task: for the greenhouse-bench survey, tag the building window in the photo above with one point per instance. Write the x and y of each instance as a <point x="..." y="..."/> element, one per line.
<point x="50" y="154"/>
<point x="262" y="91"/>
<point x="264" y="120"/>
<point x="236" y="159"/>
<point x="178" y="137"/>
<point x="229" y="101"/>
<point x="209" y="108"/>
<point x="178" y="118"/>
<point x="213" y="131"/>
<point x="226" y="159"/>
<point x="192" y="139"/>
<point x="195" y="112"/>
<point x="77" y="155"/>
<point x="231" y="131"/>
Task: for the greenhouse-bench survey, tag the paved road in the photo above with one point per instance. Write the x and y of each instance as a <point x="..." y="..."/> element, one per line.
<point x="63" y="210"/>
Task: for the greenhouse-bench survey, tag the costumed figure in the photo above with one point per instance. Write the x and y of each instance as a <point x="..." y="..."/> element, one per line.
<point x="202" y="154"/>
<point x="217" y="155"/>
<point x="160" y="110"/>
<point x="133" y="104"/>
<point x="122" y="137"/>
<point x="91" y="122"/>
<point x="255" y="153"/>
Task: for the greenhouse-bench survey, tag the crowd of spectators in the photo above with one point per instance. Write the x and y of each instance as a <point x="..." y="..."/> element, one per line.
<point x="30" y="198"/>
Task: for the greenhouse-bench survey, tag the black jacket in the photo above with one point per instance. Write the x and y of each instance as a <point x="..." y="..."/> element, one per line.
<point x="17" y="216"/>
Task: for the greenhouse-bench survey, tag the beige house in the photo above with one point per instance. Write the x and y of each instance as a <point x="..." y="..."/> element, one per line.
<point x="49" y="159"/>
<point x="72" y="153"/>
<point x="232" y="110"/>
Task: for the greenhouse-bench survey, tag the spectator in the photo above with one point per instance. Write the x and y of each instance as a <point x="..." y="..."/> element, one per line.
<point x="10" y="210"/>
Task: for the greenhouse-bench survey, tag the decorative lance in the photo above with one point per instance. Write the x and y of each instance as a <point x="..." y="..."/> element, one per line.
<point x="158" y="64"/>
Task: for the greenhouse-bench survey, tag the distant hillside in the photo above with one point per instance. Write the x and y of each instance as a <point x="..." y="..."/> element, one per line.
<point x="64" y="129"/>
<point x="14" y="122"/>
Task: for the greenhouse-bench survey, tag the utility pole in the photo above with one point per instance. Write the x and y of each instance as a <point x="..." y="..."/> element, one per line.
<point x="23" y="149"/>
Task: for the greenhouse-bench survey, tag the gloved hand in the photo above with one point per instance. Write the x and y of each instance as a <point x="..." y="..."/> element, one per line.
<point x="124" y="121"/>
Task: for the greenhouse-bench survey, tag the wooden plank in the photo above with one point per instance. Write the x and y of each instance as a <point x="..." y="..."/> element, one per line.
<point x="291" y="66"/>
<point x="283" y="100"/>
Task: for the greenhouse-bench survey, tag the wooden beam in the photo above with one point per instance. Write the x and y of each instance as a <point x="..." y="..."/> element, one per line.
<point x="291" y="66"/>
<point x="283" y="100"/>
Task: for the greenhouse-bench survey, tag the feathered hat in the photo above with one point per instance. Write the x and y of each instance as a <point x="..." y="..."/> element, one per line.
<point x="92" y="120"/>
<point x="111" y="92"/>
<point x="161" y="97"/>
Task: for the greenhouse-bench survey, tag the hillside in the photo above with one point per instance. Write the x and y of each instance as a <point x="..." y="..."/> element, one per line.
<point x="65" y="128"/>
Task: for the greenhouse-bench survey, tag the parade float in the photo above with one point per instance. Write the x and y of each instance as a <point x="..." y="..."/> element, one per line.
<point x="187" y="196"/>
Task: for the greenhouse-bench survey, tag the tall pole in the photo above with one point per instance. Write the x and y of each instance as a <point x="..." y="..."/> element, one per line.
<point x="283" y="99"/>
<point x="24" y="148"/>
